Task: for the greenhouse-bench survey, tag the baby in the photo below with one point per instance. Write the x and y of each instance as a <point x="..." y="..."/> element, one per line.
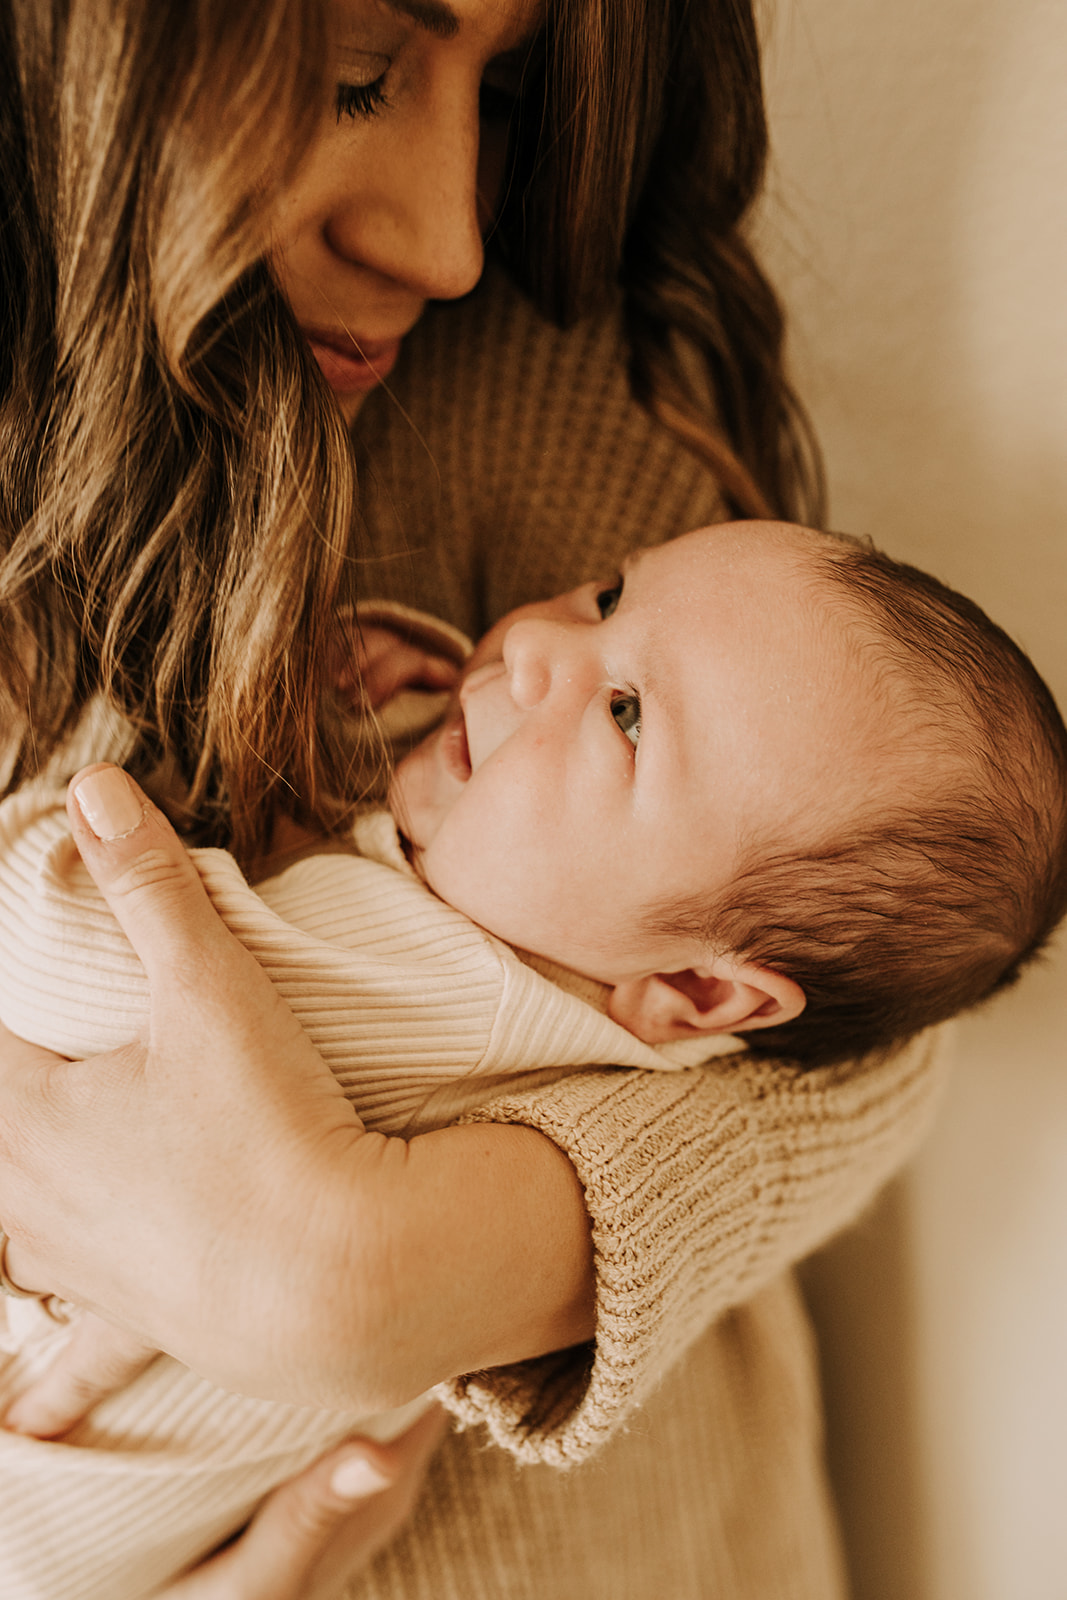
<point x="762" y="786"/>
<point x="767" y="781"/>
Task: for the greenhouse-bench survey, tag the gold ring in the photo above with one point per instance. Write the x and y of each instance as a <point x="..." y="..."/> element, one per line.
<point x="7" y="1282"/>
<point x="49" y="1303"/>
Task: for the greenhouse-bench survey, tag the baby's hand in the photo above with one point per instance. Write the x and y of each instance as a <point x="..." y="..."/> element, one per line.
<point x="97" y="1360"/>
<point x="386" y="663"/>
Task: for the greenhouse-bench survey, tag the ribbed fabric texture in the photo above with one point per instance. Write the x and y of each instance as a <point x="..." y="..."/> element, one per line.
<point x="419" y="1013"/>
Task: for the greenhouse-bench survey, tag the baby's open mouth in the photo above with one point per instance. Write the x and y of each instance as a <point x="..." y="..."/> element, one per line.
<point x="455" y="751"/>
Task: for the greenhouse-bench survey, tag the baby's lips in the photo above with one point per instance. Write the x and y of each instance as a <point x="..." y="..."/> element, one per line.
<point x="455" y="751"/>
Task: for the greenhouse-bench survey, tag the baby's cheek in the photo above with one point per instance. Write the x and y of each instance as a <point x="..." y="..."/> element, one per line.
<point x="471" y="866"/>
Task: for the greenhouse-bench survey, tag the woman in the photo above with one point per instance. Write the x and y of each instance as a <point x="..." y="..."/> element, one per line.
<point x="197" y="222"/>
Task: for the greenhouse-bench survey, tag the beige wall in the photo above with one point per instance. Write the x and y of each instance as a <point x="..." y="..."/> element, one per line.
<point x="917" y="223"/>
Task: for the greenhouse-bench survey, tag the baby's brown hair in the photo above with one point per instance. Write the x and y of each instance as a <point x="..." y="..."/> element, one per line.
<point x="922" y="908"/>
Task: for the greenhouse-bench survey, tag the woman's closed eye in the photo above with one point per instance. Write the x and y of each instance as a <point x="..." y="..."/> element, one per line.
<point x="361" y="77"/>
<point x="626" y="710"/>
<point x="361" y="99"/>
<point x="498" y="99"/>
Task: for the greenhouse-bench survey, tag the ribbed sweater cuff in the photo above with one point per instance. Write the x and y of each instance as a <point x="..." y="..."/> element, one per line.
<point x="638" y="1148"/>
<point x="702" y="1187"/>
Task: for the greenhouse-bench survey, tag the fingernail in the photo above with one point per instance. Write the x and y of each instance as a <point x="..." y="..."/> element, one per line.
<point x="355" y="1478"/>
<point x="12" y="1422"/>
<point x="109" y="803"/>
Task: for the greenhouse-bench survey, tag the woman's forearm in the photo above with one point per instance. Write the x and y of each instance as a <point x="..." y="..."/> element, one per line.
<point x="465" y="1248"/>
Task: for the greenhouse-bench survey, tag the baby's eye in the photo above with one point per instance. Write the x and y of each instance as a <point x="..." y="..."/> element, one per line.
<point x="361" y="99"/>
<point x="608" y="599"/>
<point x="626" y="709"/>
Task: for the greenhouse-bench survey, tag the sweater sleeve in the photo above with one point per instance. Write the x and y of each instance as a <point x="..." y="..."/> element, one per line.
<point x="702" y="1187"/>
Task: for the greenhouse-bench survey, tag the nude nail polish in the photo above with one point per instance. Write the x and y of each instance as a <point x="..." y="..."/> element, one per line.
<point x="355" y="1478"/>
<point x="110" y="804"/>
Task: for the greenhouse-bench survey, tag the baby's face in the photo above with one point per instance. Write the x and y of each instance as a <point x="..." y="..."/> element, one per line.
<point x="614" y="748"/>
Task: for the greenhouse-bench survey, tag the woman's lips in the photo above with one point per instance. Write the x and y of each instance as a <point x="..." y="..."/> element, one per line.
<point x="353" y="366"/>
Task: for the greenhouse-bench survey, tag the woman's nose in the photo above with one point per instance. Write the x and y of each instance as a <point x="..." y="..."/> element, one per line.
<point x="416" y="221"/>
<point x="538" y="654"/>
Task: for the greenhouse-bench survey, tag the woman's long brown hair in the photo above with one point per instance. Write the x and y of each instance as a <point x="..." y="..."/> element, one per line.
<point x="176" y="489"/>
<point x="658" y="104"/>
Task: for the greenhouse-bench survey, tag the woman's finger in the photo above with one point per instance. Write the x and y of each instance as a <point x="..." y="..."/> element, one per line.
<point x="321" y="1526"/>
<point x="97" y="1360"/>
<point x="32" y="1098"/>
<point x="145" y="873"/>
<point x="206" y="988"/>
<point x="223" y="1109"/>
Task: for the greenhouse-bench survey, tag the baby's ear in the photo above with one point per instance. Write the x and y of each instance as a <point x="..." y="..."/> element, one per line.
<point x="725" y="997"/>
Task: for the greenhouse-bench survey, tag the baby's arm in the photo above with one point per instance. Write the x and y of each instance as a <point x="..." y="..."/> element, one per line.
<point x="393" y="651"/>
<point x="325" y="1190"/>
<point x="407" y="662"/>
<point x="98" y="1359"/>
<point x="48" y="931"/>
<point x="386" y="664"/>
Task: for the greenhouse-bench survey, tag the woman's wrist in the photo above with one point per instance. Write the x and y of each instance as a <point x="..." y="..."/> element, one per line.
<point x="409" y="1263"/>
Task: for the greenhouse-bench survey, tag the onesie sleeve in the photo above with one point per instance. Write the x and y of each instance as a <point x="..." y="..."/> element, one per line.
<point x="702" y="1186"/>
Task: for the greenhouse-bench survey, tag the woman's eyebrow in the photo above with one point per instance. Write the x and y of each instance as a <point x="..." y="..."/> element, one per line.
<point x="433" y="15"/>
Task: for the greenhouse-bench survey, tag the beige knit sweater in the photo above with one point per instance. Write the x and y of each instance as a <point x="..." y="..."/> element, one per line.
<point x="509" y="462"/>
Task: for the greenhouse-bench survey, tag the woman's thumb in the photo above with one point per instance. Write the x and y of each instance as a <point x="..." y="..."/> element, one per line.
<point x="322" y="1526"/>
<point x="142" y="869"/>
<point x="274" y="1557"/>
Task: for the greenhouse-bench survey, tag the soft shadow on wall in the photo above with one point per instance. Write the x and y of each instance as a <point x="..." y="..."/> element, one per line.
<point x="917" y="225"/>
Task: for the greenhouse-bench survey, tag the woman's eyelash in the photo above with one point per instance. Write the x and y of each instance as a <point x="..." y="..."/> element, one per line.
<point x="626" y="709"/>
<point x="607" y="600"/>
<point x="367" y="99"/>
<point x="361" y="99"/>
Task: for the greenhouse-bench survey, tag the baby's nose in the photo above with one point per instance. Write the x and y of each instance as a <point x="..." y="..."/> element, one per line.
<point x="529" y="658"/>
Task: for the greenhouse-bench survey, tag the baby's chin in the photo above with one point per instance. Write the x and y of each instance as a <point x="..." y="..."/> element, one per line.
<point x="403" y="799"/>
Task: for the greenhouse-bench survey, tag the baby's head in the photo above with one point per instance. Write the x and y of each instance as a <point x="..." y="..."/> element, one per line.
<point x="764" y="782"/>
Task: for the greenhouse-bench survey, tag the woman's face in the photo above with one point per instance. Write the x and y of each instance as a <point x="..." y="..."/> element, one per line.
<point x="390" y="208"/>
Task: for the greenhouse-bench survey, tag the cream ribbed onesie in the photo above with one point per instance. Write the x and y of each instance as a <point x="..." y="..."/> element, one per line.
<point x="420" y="1014"/>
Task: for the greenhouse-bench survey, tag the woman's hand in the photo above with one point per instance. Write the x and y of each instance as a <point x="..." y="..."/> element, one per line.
<point x="210" y="1189"/>
<point x="161" y="1183"/>
<point x="322" y="1526"/>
